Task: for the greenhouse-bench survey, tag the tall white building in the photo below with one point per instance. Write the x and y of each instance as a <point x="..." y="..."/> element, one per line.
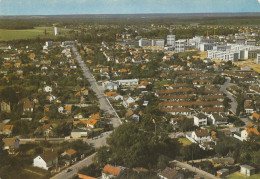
<point x="171" y="40"/>
<point x="56" y="31"/>
<point x="258" y="58"/>
<point x="180" y="45"/>
<point x="231" y="52"/>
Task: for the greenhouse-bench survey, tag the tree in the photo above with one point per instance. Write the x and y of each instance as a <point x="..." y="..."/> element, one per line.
<point x="130" y="146"/>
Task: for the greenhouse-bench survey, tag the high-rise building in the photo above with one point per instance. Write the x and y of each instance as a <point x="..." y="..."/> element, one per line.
<point x="258" y="58"/>
<point x="180" y="45"/>
<point x="171" y="40"/>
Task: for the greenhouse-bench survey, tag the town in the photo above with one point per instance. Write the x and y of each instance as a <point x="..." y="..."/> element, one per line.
<point x="131" y="101"/>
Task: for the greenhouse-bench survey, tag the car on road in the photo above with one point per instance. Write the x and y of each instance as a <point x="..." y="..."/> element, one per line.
<point x="69" y="170"/>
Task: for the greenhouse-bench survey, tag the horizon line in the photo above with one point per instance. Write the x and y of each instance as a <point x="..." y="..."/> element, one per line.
<point x="133" y="13"/>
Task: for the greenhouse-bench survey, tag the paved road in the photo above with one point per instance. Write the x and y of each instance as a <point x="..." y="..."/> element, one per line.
<point x="196" y="170"/>
<point x="104" y="103"/>
<point x="223" y="88"/>
<point x="75" y="168"/>
<point x="99" y="141"/>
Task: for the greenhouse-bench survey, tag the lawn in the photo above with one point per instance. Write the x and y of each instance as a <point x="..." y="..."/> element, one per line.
<point x="237" y="175"/>
<point x="185" y="141"/>
<point x="6" y="34"/>
<point x="160" y="84"/>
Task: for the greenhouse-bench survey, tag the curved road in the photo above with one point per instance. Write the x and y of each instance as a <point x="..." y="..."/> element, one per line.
<point x="223" y="88"/>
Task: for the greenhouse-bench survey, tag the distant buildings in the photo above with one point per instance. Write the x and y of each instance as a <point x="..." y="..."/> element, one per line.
<point x="151" y="42"/>
<point x="56" y="31"/>
<point x="231" y="52"/>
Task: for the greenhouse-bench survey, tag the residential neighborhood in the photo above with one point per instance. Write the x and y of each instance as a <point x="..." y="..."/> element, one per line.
<point x="143" y="98"/>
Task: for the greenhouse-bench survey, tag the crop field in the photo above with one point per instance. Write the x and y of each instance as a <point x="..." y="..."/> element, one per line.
<point x="6" y="34"/>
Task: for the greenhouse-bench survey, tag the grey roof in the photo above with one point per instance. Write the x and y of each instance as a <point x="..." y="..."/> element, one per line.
<point x="201" y="116"/>
<point x="247" y="167"/>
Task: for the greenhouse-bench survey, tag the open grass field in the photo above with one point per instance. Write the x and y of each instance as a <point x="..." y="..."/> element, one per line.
<point x="6" y="34"/>
<point x="237" y="175"/>
<point x="185" y="141"/>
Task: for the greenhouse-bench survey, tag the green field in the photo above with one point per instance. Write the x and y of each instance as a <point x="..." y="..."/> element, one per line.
<point x="185" y="141"/>
<point x="237" y="175"/>
<point x="6" y="34"/>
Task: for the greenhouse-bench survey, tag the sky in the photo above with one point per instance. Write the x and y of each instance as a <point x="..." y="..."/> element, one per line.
<point x="57" y="7"/>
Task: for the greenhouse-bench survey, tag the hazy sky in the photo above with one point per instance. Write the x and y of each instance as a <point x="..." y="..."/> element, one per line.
<point x="53" y="7"/>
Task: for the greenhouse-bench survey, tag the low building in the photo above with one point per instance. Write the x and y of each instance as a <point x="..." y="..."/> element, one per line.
<point x="78" y="133"/>
<point x="109" y="86"/>
<point x="250" y="130"/>
<point x="46" y="160"/>
<point x="247" y="170"/>
<point x="112" y="172"/>
<point x="128" y="82"/>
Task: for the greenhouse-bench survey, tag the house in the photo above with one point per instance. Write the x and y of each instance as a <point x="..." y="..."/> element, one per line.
<point x="6" y="129"/>
<point x="45" y="130"/>
<point x="170" y="173"/>
<point x="78" y="116"/>
<point x="201" y="135"/>
<point x="255" y="116"/>
<point x="250" y="130"/>
<point x="247" y="170"/>
<point x="11" y="144"/>
<point x="46" y="160"/>
<point x="60" y="109"/>
<point x="51" y="98"/>
<point x="127" y="101"/>
<point x="111" y="172"/>
<point x="28" y="105"/>
<point x="70" y="154"/>
<point x="47" y="89"/>
<point x="67" y="109"/>
<point x="217" y="119"/>
<point x="245" y="67"/>
<point x="5" y="107"/>
<point x="200" y="120"/>
<point x="91" y="123"/>
<point x="248" y="106"/>
<point x="119" y="97"/>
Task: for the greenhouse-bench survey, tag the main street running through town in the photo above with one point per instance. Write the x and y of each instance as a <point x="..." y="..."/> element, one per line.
<point x="104" y="105"/>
